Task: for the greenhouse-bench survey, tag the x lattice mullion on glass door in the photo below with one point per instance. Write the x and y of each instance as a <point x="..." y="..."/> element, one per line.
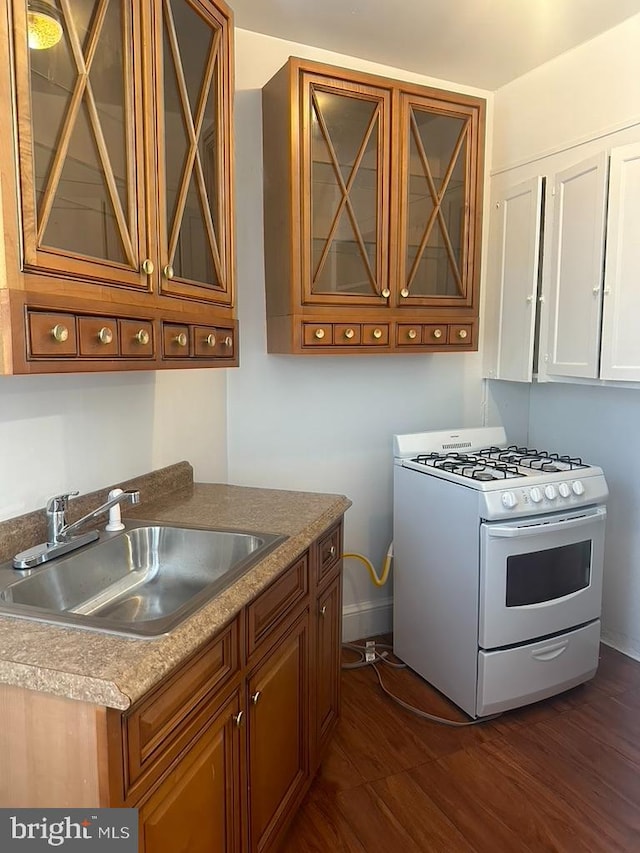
<point x="437" y="203"/>
<point x="345" y="189"/>
<point x="81" y="90"/>
<point x="194" y="129"/>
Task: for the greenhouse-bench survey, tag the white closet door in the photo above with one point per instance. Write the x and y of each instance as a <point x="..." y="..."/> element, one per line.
<point x="518" y="235"/>
<point x="620" y="335"/>
<point x="575" y="285"/>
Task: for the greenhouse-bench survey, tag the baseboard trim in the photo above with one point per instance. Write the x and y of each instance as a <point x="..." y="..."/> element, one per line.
<point x="621" y="643"/>
<point x="366" y="619"/>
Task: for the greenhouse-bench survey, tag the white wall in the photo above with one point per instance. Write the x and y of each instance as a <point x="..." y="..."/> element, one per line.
<point x="326" y="424"/>
<point x="583" y="101"/>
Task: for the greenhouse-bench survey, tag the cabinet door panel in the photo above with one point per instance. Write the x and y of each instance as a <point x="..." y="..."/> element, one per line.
<point x="81" y="172"/>
<point x="329" y="633"/>
<point x="515" y="235"/>
<point x="620" y="339"/>
<point x="278" y="734"/>
<point x="194" y="125"/>
<point x="197" y="807"/>
<point x="575" y="278"/>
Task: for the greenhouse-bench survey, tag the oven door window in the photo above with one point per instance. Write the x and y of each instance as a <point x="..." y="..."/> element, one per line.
<point x="546" y="575"/>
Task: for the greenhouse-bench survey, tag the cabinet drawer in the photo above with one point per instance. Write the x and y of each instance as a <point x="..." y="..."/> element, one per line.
<point x="461" y="334"/>
<point x="277" y="601"/>
<point x="136" y="338"/>
<point x="346" y="334"/>
<point x="154" y="728"/>
<point x="98" y="336"/>
<point x="210" y="342"/>
<point x="408" y="334"/>
<point x="435" y="334"/>
<point x="317" y="334"/>
<point x="329" y="551"/>
<point x="375" y="333"/>
<point x="51" y="334"/>
<point x="175" y="341"/>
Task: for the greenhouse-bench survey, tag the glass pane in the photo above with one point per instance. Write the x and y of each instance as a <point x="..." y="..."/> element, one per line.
<point x="82" y="220"/>
<point x="547" y="575"/>
<point x="175" y="136"/>
<point x="434" y="267"/>
<point x="209" y="147"/>
<point x="339" y="265"/>
<point x="192" y="259"/>
<point x="194" y="36"/>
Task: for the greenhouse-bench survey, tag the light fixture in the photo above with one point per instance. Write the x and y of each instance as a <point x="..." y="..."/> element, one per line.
<point x="44" y="28"/>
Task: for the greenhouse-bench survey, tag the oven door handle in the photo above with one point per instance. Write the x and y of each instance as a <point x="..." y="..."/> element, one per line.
<point x="500" y="531"/>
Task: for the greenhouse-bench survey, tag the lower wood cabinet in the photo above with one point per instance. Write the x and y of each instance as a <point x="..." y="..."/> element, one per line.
<point x="327" y="675"/>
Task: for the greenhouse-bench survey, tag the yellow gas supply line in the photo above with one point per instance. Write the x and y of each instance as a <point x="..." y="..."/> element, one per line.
<point x="375" y="580"/>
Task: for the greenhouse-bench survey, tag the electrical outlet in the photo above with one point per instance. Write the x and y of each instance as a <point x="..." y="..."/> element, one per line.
<point x="370" y="651"/>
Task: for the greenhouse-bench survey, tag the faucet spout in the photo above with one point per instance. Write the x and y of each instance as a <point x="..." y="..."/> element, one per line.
<point x="132" y="496"/>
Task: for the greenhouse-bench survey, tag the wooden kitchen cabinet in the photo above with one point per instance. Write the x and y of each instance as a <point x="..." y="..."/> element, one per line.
<point x="372" y="210"/>
<point x="117" y="184"/>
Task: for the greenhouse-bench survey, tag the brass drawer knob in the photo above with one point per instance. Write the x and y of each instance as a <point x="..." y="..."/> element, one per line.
<point x="319" y="334"/>
<point x="412" y="334"/>
<point x="181" y="339"/>
<point x="255" y="697"/>
<point x="147" y="266"/>
<point x="323" y="610"/>
<point x="349" y="333"/>
<point x="238" y="718"/>
<point x="168" y="271"/>
<point x="210" y="340"/>
<point x="404" y="293"/>
<point x="60" y="333"/>
<point x="386" y="293"/>
<point x="142" y="337"/>
<point x="462" y="333"/>
<point x="377" y="334"/>
<point x="228" y="341"/>
<point x="105" y="335"/>
<point x="437" y="333"/>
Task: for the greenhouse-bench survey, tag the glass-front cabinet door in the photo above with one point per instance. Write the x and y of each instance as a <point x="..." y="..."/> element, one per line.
<point x="78" y="101"/>
<point x="437" y="212"/>
<point x="194" y="151"/>
<point x="345" y="169"/>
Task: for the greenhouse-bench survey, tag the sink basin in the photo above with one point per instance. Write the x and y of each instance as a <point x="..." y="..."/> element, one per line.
<point x="142" y="582"/>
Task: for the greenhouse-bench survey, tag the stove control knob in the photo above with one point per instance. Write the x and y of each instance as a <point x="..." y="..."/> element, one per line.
<point x="509" y="500"/>
<point x="550" y="492"/>
<point x="536" y="495"/>
<point x="578" y="487"/>
<point x="564" y="490"/>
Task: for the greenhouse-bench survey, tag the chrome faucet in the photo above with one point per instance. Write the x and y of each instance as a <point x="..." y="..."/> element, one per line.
<point x="59" y="537"/>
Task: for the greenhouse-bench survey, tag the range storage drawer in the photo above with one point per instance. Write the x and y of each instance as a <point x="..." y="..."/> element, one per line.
<point x="510" y="678"/>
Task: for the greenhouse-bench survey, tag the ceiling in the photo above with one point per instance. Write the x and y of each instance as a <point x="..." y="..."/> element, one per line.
<point x="483" y="43"/>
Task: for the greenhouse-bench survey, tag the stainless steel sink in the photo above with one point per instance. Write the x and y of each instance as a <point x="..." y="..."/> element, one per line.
<point x="142" y="582"/>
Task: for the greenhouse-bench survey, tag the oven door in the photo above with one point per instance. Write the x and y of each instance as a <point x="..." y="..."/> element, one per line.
<point x="539" y="576"/>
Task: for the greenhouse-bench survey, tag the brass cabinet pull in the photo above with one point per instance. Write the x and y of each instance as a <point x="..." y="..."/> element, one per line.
<point x="210" y="340"/>
<point x="323" y="610"/>
<point x="60" y="333"/>
<point x="404" y="293"/>
<point x="238" y="718"/>
<point x="105" y="335"/>
<point x="349" y="333"/>
<point x="412" y="334"/>
<point x="255" y="697"/>
<point x="168" y="271"/>
<point x="377" y="334"/>
<point x="147" y="266"/>
<point x="228" y="341"/>
<point x="386" y="293"/>
<point x="142" y="337"/>
<point x="319" y="333"/>
<point x="437" y="333"/>
<point x="181" y="339"/>
<point x="462" y="333"/>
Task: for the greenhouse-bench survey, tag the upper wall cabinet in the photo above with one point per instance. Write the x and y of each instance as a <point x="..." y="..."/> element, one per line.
<point x="372" y="207"/>
<point x="589" y="299"/>
<point x="117" y="185"/>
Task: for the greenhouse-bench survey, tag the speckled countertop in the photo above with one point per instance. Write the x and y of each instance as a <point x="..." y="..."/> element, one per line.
<point x="116" y="671"/>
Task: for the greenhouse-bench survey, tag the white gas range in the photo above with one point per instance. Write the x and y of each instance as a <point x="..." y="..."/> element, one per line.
<point x="498" y="561"/>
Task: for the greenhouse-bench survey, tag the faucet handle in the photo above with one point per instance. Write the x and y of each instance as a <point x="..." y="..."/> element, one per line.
<point x="59" y="503"/>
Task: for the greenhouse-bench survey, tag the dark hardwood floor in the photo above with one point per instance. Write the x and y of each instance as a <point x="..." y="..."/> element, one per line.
<point x="561" y="775"/>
